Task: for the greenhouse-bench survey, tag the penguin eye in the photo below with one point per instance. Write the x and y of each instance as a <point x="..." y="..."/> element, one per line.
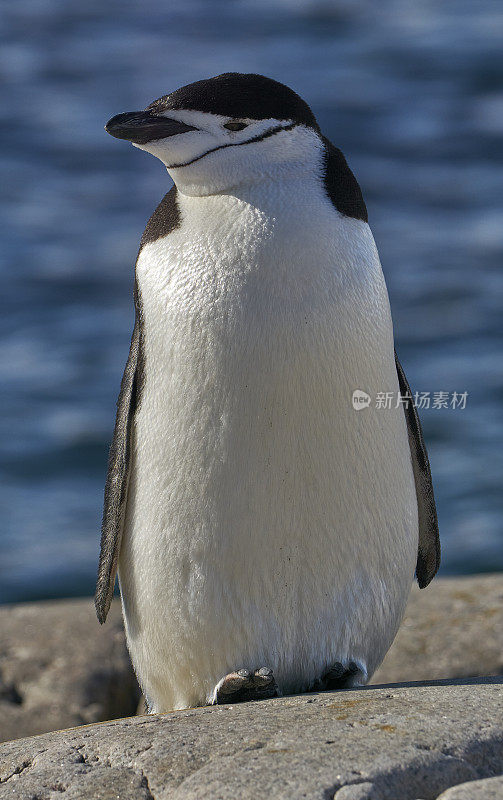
<point x="235" y="126"/>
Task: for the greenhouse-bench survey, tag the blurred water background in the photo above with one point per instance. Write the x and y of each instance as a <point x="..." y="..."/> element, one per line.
<point x="412" y="93"/>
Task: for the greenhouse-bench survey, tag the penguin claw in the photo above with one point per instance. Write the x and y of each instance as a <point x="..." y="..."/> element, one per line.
<point x="338" y="677"/>
<point x="243" y="685"/>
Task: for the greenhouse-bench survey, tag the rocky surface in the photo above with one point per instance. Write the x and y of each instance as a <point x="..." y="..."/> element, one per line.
<point x="451" y="629"/>
<point x="392" y="743"/>
<point x="488" y="789"/>
<point x="59" y="668"/>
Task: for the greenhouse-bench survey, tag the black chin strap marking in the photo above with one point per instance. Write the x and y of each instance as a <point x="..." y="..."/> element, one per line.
<point x="257" y="138"/>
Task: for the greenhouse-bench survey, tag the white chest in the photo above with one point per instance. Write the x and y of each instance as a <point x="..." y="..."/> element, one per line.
<point x="241" y="282"/>
<point x="259" y="321"/>
<point x="257" y="490"/>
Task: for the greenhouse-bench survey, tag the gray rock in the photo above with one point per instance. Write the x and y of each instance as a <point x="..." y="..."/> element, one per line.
<point x="359" y="791"/>
<point x="59" y="668"/>
<point x="451" y="629"/>
<point x="399" y="743"/>
<point x="488" y="789"/>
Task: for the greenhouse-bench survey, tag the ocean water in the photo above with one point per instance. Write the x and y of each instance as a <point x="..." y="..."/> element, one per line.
<point x="411" y="91"/>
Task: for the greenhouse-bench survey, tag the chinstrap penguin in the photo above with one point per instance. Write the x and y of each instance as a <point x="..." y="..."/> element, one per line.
<point x="265" y="533"/>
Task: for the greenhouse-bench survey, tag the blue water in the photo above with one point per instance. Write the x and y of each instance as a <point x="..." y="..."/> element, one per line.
<point x="411" y="91"/>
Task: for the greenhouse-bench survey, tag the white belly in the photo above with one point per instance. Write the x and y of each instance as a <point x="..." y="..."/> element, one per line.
<point x="268" y="522"/>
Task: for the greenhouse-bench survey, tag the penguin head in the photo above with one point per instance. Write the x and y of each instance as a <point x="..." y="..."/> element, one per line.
<point x="229" y="131"/>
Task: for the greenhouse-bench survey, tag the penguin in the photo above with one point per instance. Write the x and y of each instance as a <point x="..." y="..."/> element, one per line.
<point x="265" y="532"/>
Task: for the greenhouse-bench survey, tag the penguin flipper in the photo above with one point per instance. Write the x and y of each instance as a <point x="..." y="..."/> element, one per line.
<point x="117" y="479"/>
<point x="428" y="556"/>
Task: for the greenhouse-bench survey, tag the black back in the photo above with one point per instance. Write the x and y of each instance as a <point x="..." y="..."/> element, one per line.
<point x="165" y="219"/>
<point x="341" y="185"/>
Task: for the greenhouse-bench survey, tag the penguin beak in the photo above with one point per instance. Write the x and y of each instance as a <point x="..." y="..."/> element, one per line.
<point x="140" y="127"/>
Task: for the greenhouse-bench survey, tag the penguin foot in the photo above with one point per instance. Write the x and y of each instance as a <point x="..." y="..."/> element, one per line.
<point x="338" y="677"/>
<point x="244" y="685"/>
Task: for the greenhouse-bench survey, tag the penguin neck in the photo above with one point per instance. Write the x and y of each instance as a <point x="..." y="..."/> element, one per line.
<point x="251" y="170"/>
<point x="267" y="208"/>
<point x="269" y="194"/>
<point x="268" y="184"/>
